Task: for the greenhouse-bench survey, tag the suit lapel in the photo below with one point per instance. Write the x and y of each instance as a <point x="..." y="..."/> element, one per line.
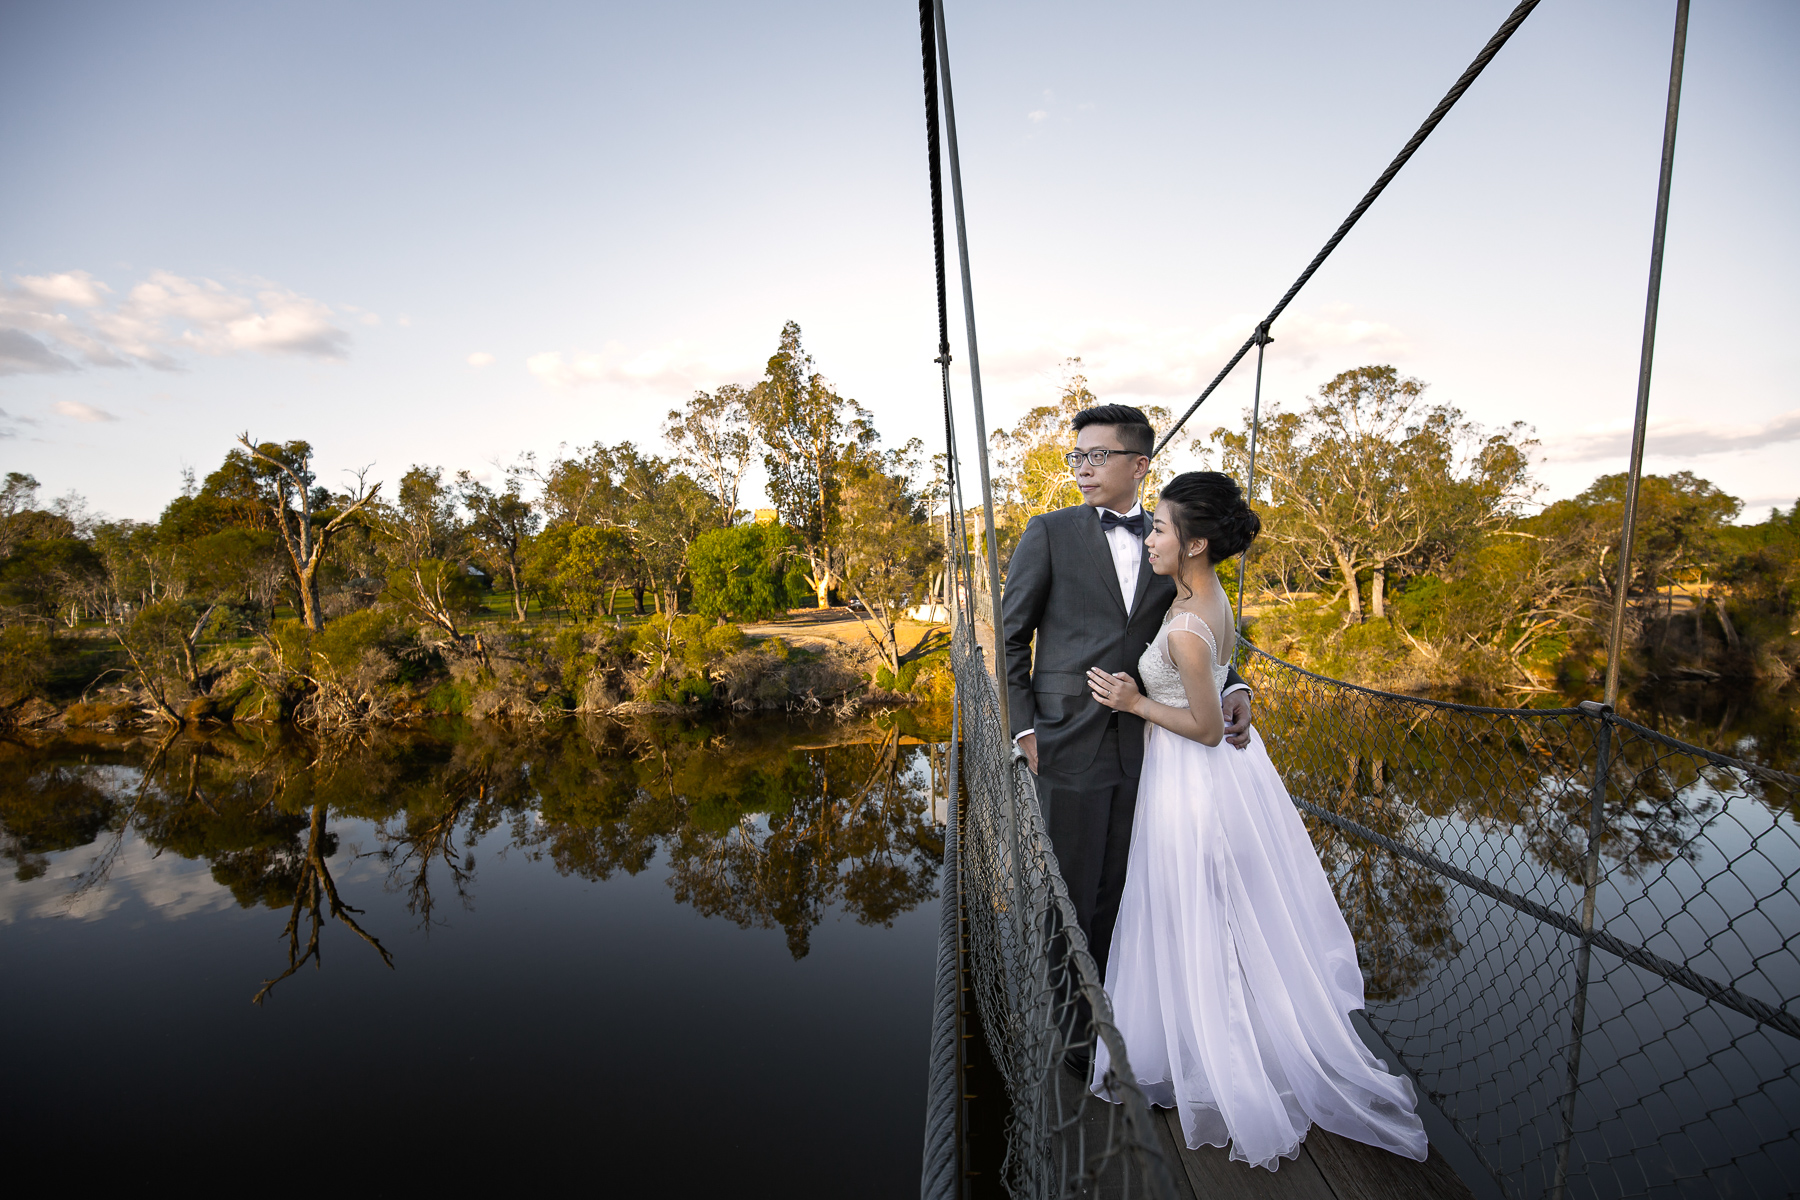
<point x="1145" y="574"/>
<point x="1093" y="538"/>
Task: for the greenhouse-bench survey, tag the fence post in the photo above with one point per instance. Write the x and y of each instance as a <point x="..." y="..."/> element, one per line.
<point x="1584" y="952"/>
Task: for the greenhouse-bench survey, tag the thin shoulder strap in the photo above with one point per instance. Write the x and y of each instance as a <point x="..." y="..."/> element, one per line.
<point x="1186" y="622"/>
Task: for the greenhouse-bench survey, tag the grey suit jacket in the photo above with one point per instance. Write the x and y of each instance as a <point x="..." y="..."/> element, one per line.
<point x="1062" y="590"/>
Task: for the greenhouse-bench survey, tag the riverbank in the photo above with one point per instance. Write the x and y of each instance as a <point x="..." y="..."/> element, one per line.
<point x="370" y="667"/>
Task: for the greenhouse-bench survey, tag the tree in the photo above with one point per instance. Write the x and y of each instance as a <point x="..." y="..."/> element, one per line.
<point x="502" y="525"/>
<point x="306" y="518"/>
<point x="427" y="552"/>
<point x="1368" y="475"/>
<point x="742" y="571"/>
<point x="18" y="499"/>
<point x="1032" y="474"/>
<point x="594" y="561"/>
<point x="890" y="546"/>
<point x="663" y="511"/>
<point x="48" y="579"/>
<point x="712" y="437"/>
<point x="807" y="431"/>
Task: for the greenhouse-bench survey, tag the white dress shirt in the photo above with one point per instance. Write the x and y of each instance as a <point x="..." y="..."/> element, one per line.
<point x="1128" y="559"/>
<point x="1127" y="554"/>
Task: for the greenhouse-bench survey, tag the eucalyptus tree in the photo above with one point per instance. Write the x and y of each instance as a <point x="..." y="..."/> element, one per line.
<point x="306" y="516"/>
<point x="712" y="437"/>
<point x="892" y="549"/>
<point x="427" y="549"/>
<point x="808" y="433"/>
<point x="501" y="525"/>
<point x="1368" y="475"/>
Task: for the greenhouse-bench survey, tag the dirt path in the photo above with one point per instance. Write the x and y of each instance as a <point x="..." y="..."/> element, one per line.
<point x="817" y="628"/>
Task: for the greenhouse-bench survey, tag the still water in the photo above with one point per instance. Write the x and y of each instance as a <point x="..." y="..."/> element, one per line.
<point x="691" y="959"/>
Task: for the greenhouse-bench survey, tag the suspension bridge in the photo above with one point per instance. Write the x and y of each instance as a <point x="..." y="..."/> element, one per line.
<point x="1578" y="934"/>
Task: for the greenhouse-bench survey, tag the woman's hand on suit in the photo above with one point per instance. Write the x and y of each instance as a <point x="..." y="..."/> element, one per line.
<point x="1115" y="690"/>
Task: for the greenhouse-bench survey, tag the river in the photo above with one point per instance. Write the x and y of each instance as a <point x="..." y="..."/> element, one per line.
<point x="695" y="958"/>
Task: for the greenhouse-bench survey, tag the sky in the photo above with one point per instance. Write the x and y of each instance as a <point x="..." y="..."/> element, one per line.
<point x="454" y="233"/>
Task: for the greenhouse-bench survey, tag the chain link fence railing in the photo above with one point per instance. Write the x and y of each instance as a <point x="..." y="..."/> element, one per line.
<point x="1033" y="980"/>
<point x="1581" y="935"/>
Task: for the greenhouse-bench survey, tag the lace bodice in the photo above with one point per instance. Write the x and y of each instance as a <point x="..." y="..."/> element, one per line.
<point x="1162" y="682"/>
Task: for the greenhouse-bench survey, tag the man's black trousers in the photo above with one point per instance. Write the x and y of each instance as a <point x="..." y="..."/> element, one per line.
<point x="1089" y="818"/>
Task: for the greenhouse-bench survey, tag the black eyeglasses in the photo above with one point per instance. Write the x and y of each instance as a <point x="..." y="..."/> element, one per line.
<point x="1093" y="457"/>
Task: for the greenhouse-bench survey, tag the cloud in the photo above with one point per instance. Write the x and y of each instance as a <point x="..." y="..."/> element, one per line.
<point x="7" y="427"/>
<point x="82" y="412"/>
<point x="69" y="321"/>
<point x="1680" y="438"/>
<point x="1037" y="114"/>
<point x="481" y="358"/>
<point x="22" y="354"/>
<point x="1130" y="360"/>
<point x="673" y="369"/>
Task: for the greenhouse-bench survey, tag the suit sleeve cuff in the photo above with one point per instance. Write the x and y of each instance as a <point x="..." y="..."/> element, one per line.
<point x="1236" y="687"/>
<point x="1021" y="734"/>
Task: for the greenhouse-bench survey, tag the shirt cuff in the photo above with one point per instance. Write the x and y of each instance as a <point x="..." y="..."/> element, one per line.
<point x="1021" y="734"/>
<point x="1236" y="687"/>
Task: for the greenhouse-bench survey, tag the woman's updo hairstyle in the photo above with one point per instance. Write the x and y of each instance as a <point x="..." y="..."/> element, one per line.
<point x="1207" y="504"/>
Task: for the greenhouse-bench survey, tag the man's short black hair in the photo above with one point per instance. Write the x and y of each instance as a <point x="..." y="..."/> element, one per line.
<point x="1134" y="429"/>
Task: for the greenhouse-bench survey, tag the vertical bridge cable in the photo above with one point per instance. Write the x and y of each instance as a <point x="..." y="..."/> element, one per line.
<point x="952" y="470"/>
<point x="1647" y="352"/>
<point x="1262" y="339"/>
<point x="943" y="1172"/>
<point x="1506" y="30"/>
<point x="968" y="290"/>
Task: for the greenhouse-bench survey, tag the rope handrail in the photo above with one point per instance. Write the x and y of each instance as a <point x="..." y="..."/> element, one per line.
<point x="1426" y="701"/>
<point x="1468" y="77"/>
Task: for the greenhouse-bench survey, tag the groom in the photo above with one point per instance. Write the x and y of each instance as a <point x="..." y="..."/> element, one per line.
<point x="1081" y="583"/>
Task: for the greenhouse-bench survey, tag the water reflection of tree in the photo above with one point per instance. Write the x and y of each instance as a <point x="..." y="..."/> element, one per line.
<point x="1397" y="768"/>
<point x="314" y="885"/>
<point x="48" y="807"/>
<point x="1398" y="911"/>
<point x="755" y="830"/>
<point x="761" y="833"/>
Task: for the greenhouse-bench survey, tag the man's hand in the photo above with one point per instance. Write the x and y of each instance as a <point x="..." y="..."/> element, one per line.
<point x="1237" y="718"/>
<point x="1028" y="744"/>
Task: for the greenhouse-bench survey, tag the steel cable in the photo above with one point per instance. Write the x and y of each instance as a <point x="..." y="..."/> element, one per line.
<point x="1468" y="77"/>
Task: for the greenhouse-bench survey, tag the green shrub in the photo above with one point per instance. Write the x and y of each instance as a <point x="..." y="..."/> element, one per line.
<point x="744" y="572"/>
<point x="24" y="661"/>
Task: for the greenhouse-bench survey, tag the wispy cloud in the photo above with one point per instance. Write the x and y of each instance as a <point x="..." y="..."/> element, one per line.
<point x="673" y="369"/>
<point x="83" y="412"/>
<point x="1122" y="360"/>
<point x="1678" y="439"/>
<point x="480" y="358"/>
<point x="65" y="322"/>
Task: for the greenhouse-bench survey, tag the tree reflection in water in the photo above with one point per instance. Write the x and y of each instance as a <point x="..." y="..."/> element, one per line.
<point x="767" y="824"/>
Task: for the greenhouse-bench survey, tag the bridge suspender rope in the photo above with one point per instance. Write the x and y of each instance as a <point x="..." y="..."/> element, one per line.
<point x="1648" y="350"/>
<point x="968" y="291"/>
<point x="1507" y="28"/>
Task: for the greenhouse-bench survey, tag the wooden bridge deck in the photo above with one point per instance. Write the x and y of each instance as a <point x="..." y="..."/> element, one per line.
<point x="1329" y="1168"/>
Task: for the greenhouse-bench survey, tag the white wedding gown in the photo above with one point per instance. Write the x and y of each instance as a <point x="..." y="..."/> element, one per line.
<point x="1232" y="972"/>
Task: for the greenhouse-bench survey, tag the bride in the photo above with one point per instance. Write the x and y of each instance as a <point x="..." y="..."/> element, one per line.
<point x="1232" y="972"/>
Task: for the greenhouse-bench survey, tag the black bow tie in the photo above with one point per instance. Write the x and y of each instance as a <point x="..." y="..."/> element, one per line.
<point x="1136" y="525"/>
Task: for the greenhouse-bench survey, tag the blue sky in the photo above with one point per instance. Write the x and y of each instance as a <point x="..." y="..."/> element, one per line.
<point x="451" y="233"/>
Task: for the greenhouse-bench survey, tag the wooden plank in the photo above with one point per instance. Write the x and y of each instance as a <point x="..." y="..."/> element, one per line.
<point x="1169" y="1142"/>
<point x="1360" y="1172"/>
<point x="1211" y="1173"/>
